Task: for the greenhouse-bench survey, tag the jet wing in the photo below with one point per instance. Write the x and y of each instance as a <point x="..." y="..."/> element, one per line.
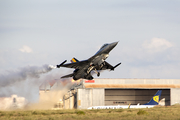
<point x="70" y="75"/>
<point x="76" y="64"/>
<point x="106" y="66"/>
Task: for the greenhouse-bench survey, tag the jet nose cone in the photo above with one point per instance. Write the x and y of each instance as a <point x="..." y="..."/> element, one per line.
<point x="114" y="44"/>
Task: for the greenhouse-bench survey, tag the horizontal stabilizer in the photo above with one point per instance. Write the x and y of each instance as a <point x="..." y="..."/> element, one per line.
<point x="115" y="66"/>
<point x="70" y="75"/>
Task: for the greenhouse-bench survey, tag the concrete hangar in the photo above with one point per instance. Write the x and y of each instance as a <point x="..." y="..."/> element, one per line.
<point x="102" y="92"/>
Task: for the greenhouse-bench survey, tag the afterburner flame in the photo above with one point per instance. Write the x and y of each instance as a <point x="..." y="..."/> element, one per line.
<point x="72" y="80"/>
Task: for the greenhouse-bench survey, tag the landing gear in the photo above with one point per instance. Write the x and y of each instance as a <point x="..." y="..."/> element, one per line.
<point x="98" y="74"/>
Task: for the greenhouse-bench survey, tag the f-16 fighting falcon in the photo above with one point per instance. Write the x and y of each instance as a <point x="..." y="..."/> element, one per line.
<point x="95" y="63"/>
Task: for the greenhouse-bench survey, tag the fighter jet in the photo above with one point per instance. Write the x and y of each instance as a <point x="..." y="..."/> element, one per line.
<point x="95" y="63"/>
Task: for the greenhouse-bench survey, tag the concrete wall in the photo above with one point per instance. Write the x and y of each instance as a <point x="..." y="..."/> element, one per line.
<point x="98" y="97"/>
<point x="90" y="97"/>
<point x="175" y="95"/>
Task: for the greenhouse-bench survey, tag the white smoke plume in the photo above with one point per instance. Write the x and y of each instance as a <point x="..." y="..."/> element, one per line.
<point x="22" y="74"/>
<point x="25" y="82"/>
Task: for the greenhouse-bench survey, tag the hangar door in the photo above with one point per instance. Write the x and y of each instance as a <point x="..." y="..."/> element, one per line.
<point x="133" y="96"/>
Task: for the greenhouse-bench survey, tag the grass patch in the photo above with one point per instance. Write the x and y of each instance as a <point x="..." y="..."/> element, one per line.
<point x="119" y="110"/>
<point x="2" y="114"/>
<point x="142" y="112"/>
<point x="162" y="113"/>
<point x="80" y="112"/>
<point x="109" y="111"/>
<point x="34" y="112"/>
<point x="129" y="110"/>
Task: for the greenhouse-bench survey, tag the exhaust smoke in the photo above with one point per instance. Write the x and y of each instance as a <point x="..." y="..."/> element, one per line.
<point x="23" y="82"/>
<point x="23" y="73"/>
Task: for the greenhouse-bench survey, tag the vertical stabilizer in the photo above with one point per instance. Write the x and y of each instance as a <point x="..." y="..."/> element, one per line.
<point x="155" y="99"/>
<point x="73" y="60"/>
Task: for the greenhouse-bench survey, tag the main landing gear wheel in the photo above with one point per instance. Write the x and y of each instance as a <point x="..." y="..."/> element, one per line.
<point x="98" y="74"/>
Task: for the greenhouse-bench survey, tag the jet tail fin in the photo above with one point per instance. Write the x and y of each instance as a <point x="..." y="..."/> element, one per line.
<point x="155" y="99"/>
<point x="73" y="60"/>
<point x="70" y="75"/>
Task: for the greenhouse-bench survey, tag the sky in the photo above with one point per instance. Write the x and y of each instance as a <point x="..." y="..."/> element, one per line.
<point x="38" y="32"/>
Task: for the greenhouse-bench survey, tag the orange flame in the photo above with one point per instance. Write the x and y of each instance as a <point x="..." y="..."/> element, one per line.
<point x="72" y="80"/>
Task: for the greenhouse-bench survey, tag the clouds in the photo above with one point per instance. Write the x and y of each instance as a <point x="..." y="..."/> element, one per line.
<point x="157" y="45"/>
<point x="26" y="49"/>
<point x="58" y="30"/>
<point x="157" y="52"/>
<point x="153" y="58"/>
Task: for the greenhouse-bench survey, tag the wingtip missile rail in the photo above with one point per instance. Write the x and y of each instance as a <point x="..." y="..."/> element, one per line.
<point x="58" y="66"/>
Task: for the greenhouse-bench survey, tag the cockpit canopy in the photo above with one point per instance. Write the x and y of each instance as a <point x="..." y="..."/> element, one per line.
<point x="104" y="45"/>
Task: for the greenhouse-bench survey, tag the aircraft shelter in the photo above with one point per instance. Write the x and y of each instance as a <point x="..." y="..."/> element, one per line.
<point x="102" y="92"/>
